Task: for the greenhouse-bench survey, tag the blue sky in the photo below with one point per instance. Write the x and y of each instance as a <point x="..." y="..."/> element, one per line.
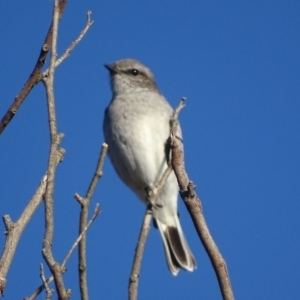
<point x="238" y="64"/>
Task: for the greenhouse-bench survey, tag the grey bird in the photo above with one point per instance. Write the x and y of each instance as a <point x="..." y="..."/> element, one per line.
<point x="136" y="127"/>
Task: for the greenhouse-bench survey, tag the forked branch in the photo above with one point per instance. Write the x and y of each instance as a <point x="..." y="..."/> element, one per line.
<point x="48" y="81"/>
<point x="73" y="247"/>
<point x="15" y="230"/>
<point x="35" y="77"/>
<point x="84" y="203"/>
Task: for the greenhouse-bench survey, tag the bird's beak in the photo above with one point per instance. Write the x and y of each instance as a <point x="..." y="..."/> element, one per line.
<point x="110" y="68"/>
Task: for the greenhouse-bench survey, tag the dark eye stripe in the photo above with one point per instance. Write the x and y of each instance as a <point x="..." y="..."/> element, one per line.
<point x="134" y="72"/>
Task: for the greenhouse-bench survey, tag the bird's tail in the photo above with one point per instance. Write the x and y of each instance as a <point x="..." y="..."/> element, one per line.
<point x="177" y="250"/>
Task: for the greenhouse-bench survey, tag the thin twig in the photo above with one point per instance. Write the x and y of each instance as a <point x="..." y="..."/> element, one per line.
<point x="98" y="173"/>
<point x="35" y="76"/>
<point x="15" y="230"/>
<point x="82" y="234"/>
<point x="68" y="51"/>
<point x="63" y="265"/>
<point x="84" y="202"/>
<point x="153" y="193"/>
<point x="145" y="228"/>
<point x="139" y="251"/>
<point x="194" y="206"/>
<point x="48" y="81"/>
<point x="174" y="120"/>
<point x="47" y="288"/>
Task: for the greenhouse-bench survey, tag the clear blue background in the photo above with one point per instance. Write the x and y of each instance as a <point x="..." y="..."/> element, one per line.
<point x="237" y="62"/>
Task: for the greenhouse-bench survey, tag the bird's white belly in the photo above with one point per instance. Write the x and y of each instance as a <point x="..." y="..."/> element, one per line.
<point x="143" y="152"/>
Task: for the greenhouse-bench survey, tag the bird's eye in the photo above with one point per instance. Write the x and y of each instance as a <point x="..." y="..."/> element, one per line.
<point x="135" y="72"/>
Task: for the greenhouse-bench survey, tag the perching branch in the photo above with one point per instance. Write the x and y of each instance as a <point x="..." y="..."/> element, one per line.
<point x="174" y="120"/>
<point x="84" y="202"/>
<point x="139" y="251"/>
<point x="153" y="193"/>
<point x="50" y="279"/>
<point x="194" y="206"/>
<point x="35" y="76"/>
<point x="15" y="230"/>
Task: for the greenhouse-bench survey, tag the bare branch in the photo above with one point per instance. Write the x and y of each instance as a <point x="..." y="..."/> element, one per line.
<point x="68" y="51"/>
<point x="55" y="268"/>
<point x="15" y="230"/>
<point x="98" y="173"/>
<point x="48" y="290"/>
<point x="174" y="119"/>
<point x="63" y="265"/>
<point x="84" y="202"/>
<point x="35" y="76"/>
<point x="194" y="206"/>
<point x="139" y="251"/>
<point x="95" y="215"/>
<point x="153" y="193"/>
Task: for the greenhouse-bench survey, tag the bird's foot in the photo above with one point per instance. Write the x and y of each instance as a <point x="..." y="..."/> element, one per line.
<point x="151" y="197"/>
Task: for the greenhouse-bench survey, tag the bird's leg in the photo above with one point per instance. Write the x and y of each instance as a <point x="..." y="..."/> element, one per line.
<point x="151" y="197"/>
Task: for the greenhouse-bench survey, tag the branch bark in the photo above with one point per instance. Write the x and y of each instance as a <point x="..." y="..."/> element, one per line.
<point x="50" y="279"/>
<point x="84" y="203"/>
<point x="153" y="193"/>
<point x="194" y="206"/>
<point x="15" y="230"/>
<point x="139" y="251"/>
<point x="49" y="291"/>
<point x="48" y="81"/>
<point x="35" y="77"/>
<point x="68" y="51"/>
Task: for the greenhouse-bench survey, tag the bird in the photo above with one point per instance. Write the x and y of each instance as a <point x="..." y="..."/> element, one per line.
<point x="136" y="127"/>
